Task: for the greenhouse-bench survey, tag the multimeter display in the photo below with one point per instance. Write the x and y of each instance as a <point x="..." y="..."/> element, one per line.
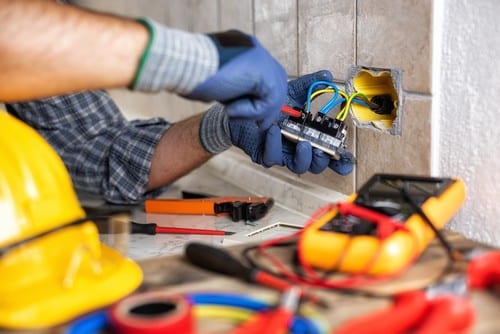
<point x="384" y="226"/>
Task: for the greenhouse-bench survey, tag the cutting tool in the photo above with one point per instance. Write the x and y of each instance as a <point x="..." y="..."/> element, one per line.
<point x="237" y="207"/>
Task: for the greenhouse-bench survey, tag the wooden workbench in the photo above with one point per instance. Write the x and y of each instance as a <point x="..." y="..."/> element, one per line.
<point x="177" y="275"/>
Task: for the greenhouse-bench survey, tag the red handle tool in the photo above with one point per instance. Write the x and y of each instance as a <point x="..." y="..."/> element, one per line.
<point x="444" y="313"/>
<point x="416" y="312"/>
<point x="483" y="271"/>
<point x="276" y="320"/>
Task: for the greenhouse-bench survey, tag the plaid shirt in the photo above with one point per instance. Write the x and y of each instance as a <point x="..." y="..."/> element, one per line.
<point x="104" y="153"/>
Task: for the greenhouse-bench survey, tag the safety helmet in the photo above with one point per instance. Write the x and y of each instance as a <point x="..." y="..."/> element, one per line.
<point x="53" y="267"/>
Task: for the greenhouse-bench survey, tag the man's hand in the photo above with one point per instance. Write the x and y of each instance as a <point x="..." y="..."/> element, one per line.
<point x="268" y="147"/>
<point x="230" y="67"/>
<point x="249" y="81"/>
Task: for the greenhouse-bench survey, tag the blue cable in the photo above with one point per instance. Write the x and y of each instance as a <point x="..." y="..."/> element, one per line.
<point x="228" y="299"/>
<point x="93" y="323"/>
<point x="300" y="325"/>
<point x="311" y="90"/>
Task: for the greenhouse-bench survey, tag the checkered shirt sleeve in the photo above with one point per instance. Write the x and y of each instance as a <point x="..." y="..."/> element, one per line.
<point x="104" y="153"/>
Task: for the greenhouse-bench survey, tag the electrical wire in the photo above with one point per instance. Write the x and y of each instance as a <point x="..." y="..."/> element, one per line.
<point x="342" y="115"/>
<point x="337" y="98"/>
<point x="332" y="103"/>
<point x="311" y="90"/>
<point x="239" y="307"/>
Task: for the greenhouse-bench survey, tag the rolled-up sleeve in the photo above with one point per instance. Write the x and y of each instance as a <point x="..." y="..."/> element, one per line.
<point x="104" y="153"/>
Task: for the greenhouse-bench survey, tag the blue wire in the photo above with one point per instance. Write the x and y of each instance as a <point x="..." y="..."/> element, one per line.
<point x="226" y="299"/>
<point x="334" y="104"/>
<point x="363" y="103"/>
<point x="300" y="325"/>
<point x="311" y="90"/>
<point x="93" y="323"/>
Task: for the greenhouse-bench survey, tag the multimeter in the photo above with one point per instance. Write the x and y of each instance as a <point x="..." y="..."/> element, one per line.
<point x="383" y="227"/>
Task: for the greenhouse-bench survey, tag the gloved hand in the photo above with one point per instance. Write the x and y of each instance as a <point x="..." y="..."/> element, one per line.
<point x="231" y="67"/>
<point x="249" y="81"/>
<point x="269" y="147"/>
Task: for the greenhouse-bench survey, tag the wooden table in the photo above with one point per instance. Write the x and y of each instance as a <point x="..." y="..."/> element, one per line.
<point x="177" y="275"/>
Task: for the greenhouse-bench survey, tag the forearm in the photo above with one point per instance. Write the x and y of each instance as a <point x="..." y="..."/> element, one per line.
<point x="178" y="152"/>
<point x="73" y="49"/>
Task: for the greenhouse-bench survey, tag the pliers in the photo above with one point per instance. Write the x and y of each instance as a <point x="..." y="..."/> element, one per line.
<point x="442" y="308"/>
<point x="237" y="207"/>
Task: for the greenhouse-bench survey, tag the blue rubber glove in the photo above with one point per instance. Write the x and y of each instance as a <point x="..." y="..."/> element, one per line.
<point x="249" y="82"/>
<point x="269" y="147"/>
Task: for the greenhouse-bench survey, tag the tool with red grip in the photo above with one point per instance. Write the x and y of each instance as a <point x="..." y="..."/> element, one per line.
<point x="275" y="320"/>
<point x="419" y="311"/>
<point x="442" y="308"/>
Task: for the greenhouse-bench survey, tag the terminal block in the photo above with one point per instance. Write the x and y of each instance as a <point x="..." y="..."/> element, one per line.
<point x="323" y="132"/>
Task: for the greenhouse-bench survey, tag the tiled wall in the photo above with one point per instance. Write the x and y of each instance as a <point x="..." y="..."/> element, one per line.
<point x="308" y="35"/>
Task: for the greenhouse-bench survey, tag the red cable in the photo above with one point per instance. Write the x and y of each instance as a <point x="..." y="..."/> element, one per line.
<point x="311" y="277"/>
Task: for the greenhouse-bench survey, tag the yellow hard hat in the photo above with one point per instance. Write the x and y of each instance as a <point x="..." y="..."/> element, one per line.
<point x="53" y="267"/>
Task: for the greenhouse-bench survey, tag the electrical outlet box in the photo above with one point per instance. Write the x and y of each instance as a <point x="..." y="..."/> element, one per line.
<point x="383" y="87"/>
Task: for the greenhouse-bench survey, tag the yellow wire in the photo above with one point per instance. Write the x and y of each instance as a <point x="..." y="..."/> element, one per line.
<point x="331" y="90"/>
<point x="321" y="91"/>
<point x="231" y="313"/>
<point x="239" y="315"/>
<point x="342" y="115"/>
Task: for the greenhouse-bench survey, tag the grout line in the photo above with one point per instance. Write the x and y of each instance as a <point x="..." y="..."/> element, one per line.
<point x="356" y="32"/>
<point x="219" y="15"/>
<point x="355" y="135"/>
<point x="297" y="44"/>
<point x="253" y="17"/>
<point x="418" y="95"/>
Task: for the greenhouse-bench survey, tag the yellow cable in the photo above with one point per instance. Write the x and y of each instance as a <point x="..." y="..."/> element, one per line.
<point x="321" y="91"/>
<point x="342" y="115"/>
<point x="230" y="313"/>
<point x="331" y="90"/>
<point x="238" y="315"/>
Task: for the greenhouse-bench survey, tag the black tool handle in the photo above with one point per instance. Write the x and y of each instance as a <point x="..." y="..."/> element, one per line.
<point x="217" y="260"/>
<point x="137" y="228"/>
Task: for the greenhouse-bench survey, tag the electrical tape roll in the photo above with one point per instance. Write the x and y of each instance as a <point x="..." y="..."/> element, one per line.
<point x="152" y="313"/>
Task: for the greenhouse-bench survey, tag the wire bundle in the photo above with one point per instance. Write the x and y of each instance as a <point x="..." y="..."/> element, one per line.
<point x="239" y="307"/>
<point x="339" y="97"/>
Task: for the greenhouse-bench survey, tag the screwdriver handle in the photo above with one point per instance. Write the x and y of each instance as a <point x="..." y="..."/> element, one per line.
<point x="220" y="261"/>
<point x="217" y="260"/>
<point x="137" y="228"/>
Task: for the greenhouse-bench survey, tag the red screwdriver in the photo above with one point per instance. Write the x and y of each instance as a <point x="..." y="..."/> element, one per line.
<point x="152" y="229"/>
